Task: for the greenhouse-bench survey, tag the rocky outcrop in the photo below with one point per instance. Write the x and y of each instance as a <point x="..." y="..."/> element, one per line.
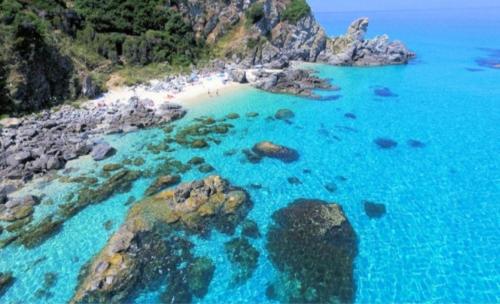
<point x="36" y="144"/>
<point x="272" y="40"/>
<point x="353" y="49"/>
<point x="313" y="246"/>
<point x="144" y="248"/>
<point x="290" y="81"/>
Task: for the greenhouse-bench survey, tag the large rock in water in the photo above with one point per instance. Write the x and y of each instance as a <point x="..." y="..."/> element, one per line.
<point x="102" y="151"/>
<point x="313" y="245"/>
<point x="146" y="247"/>
<point x="353" y="49"/>
<point x="270" y="149"/>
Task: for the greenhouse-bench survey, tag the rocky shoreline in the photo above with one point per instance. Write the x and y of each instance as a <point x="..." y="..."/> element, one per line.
<point x="36" y="144"/>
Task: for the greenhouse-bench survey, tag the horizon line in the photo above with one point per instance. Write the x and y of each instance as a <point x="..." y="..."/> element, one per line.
<point x="407" y="9"/>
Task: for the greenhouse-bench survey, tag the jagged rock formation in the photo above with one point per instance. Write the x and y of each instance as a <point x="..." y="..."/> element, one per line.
<point x="146" y="247"/>
<point x="353" y="49"/>
<point x="272" y="40"/>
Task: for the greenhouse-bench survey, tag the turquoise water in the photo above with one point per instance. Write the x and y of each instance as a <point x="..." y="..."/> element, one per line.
<point x="439" y="240"/>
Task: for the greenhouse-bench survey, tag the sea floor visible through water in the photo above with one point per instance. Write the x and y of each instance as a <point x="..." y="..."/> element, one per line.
<point x="422" y="139"/>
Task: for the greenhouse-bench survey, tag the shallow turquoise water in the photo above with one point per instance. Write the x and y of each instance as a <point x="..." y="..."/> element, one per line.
<point x="439" y="240"/>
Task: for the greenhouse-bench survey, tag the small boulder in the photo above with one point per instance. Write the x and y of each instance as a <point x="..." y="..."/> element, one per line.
<point x="102" y="151"/>
<point x="54" y="163"/>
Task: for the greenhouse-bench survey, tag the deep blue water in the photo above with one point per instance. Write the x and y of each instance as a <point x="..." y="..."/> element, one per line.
<point x="439" y="240"/>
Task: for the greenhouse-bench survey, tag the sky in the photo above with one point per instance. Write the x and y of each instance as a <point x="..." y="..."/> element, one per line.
<point x="375" y="5"/>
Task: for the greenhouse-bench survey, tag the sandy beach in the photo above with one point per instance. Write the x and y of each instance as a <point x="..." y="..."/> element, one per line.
<point x="183" y="90"/>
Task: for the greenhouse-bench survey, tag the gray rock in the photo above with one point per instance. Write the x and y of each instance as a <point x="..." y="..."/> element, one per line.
<point x="89" y="88"/>
<point x="102" y="151"/>
<point x="353" y="49"/>
<point x="54" y="163"/>
<point x="238" y="75"/>
<point x="22" y="156"/>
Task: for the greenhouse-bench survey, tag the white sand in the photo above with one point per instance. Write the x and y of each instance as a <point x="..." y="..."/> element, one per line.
<point x="180" y="90"/>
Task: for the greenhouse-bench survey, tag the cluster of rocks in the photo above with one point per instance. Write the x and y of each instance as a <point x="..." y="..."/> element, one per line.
<point x="15" y="209"/>
<point x="289" y="81"/>
<point x="38" y="143"/>
<point x="313" y="246"/>
<point x="146" y="247"/>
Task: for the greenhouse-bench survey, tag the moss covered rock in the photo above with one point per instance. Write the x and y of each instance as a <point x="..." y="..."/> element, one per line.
<point x="244" y="258"/>
<point x="146" y="238"/>
<point x="313" y="246"/>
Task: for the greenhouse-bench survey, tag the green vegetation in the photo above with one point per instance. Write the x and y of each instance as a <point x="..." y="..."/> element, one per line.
<point x="255" y="13"/>
<point x="47" y="47"/>
<point x="296" y="10"/>
<point x="136" y="32"/>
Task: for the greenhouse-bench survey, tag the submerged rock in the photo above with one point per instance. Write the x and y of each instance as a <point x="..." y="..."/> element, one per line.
<point x="313" y="246"/>
<point x="199" y="275"/>
<point x="145" y="247"/>
<point x="272" y="150"/>
<point x="250" y="229"/>
<point x="111" y="167"/>
<point x="331" y="187"/>
<point x="244" y="257"/>
<point x="233" y="116"/>
<point x="251" y="114"/>
<point x="413" y="143"/>
<point x="39" y="232"/>
<point x="206" y="168"/>
<point x="384" y="92"/>
<point x="385" y="143"/>
<point x="196" y="161"/>
<point x="294" y="180"/>
<point x="374" y="210"/>
<point x="284" y="114"/>
<point x="119" y="182"/>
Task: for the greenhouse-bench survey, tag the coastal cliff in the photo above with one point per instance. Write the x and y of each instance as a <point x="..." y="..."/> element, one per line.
<point x="64" y="50"/>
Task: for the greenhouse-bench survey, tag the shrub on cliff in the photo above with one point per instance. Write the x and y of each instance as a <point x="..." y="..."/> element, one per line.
<point x="296" y="10"/>
<point x="141" y="31"/>
<point x="255" y="13"/>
